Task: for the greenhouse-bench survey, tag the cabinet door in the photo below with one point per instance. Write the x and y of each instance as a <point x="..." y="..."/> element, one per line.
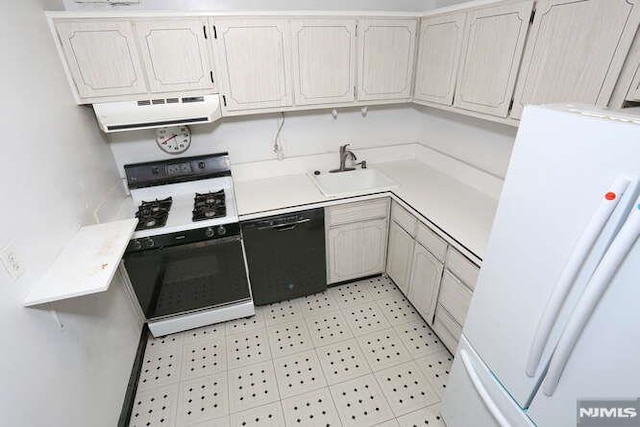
<point x="254" y="61"/>
<point x="175" y="54"/>
<point x="426" y="272"/>
<point x="438" y="57"/>
<point x="324" y="57"/>
<point x="357" y="250"/>
<point x="102" y="57"/>
<point x="575" y="51"/>
<point x="399" y="257"/>
<point x="386" y="50"/>
<point x="494" y="41"/>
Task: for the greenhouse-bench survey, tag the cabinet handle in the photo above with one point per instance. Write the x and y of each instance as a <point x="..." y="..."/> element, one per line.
<point x="211" y="75"/>
<point x="224" y="100"/>
<point x="204" y="30"/>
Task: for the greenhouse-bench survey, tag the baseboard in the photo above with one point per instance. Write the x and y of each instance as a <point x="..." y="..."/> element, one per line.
<point x="132" y="387"/>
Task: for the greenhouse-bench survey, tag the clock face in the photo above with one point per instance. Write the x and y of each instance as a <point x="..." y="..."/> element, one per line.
<point x="174" y="139"/>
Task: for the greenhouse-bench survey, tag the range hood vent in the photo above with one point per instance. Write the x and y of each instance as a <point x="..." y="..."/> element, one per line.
<point x="154" y="113"/>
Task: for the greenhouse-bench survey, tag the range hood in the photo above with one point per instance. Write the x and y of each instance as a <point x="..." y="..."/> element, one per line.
<point x="154" y="113"/>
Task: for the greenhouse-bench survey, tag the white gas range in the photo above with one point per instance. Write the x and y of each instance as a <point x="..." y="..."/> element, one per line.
<point x="186" y="259"/>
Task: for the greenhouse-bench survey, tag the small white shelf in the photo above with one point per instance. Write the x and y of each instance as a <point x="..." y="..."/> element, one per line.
<point x="86" y="265"/>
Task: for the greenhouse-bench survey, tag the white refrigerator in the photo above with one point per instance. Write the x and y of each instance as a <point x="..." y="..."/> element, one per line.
<point x="555" y="316"/>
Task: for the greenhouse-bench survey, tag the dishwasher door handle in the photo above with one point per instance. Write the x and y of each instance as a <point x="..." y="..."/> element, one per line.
<point x="286" y="226"/>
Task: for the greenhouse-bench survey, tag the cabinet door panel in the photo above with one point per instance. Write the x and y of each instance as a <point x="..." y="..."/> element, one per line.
<point x="175" y="54"/>
<point x="102" y="57"/>
<point x="254" y="63"/>
<point x="494" y="41"/>
<point x="356" y="250"/>
<point x="438" y="57"/>
<point x="575" y="51"/>
<point x="324" y="57"/>
<point x="426" y="272"/>
<point x="386" y="58"/>
<point x="399" y="257"/>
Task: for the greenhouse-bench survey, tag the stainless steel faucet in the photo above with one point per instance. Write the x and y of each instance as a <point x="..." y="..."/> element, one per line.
<point x="344" y="154"/>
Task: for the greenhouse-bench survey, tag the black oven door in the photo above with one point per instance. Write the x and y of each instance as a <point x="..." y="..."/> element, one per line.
<point x="186" y="278"/>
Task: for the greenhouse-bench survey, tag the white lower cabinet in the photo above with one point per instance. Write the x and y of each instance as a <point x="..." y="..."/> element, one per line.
<point x="426" y="272"/>
<point x="356" y="239"/>
<point x="399" y="258"/>
<point x="437" y="279"/>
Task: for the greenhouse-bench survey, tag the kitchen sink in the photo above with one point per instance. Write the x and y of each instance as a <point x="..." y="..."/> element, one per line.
<point x="349" y="182"/>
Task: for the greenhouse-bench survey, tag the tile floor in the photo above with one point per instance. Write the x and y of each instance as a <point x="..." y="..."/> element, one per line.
<point x="355" y="355"/>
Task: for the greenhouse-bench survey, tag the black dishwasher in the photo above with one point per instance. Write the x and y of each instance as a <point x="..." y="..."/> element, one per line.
<point x="286" y="255"/>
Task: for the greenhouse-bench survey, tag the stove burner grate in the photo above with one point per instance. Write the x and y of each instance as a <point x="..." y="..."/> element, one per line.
<point x="209" y="205"/>
<point x="153" y="214"/>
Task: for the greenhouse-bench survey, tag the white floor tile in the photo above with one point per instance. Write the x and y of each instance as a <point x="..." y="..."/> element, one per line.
<point x="317" y="303"/>
<point x="252" y="386"/>
<point x="246" y="324"/>
<point x="406" y="388"/>
<point x="288" y="338"/>
<point x="436" y="367"/>
<point x="390" y="423"/>
<point x="204" y="358"/>
<point x="279" y="312"/>
<point x="328" y="328"/>
<point x="423" y="417"/>
<point x="247" y="347"/>
<point x="217" y="422"/>
<point x="360" y="402"/>
<point x="160" y="367"/>
<point x="383" y="349"/>
<point x="313" y="409"/>
<point x="365" y="318"/>
<point x="163" y="344"/>
<point x="155" y="407"/>
<point x="205" y="333"/>
<point x="398" y="310"/>
<point x="268" y="416"/>
<point x="291" y="363"/>
<point x="299" y="373"/>
<point x="419" y="339"/>
<point x="203" y="398"/>
<point x="342" y="361"/>
<point x="383" y="287"/>
<point x="350" y="294"/>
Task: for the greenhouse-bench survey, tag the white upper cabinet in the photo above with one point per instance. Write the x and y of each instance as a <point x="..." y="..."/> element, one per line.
<point x="575" y="51"/>
<point x="254" y="62"/>
<point x="101" y="57"/>
<point x="494" y="41"/>
<point x="324" y="60"/>
<point x="386" y="58"/>
<point x="175" y="54"/>
<point x="439" y="50"/>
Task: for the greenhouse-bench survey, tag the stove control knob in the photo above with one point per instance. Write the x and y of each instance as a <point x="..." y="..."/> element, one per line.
<point x="222" y="231"/>
<point x="136" y="244"/>
<point x="155" y="170"/>
<point x="209" y="232"/>
<point x="148" y="242"/>
<point x="202" y="165"/>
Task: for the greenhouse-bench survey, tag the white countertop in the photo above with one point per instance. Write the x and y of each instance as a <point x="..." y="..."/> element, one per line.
<point x="462" y="212"/>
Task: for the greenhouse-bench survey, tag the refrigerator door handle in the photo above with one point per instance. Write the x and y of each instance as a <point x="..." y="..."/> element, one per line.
<point x="579" y="254"/>
<point x="588" y="302"/>
<point x="482" y="391"/>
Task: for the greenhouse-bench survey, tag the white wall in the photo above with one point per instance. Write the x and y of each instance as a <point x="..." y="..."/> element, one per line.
<point x="480" y="143"/>
<point x="56" y="168"/>
<point x="224" y="5"/>
<point x="250" y="138"/>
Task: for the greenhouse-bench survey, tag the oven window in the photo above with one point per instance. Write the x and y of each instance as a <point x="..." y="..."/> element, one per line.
<point x="179" y="279"/>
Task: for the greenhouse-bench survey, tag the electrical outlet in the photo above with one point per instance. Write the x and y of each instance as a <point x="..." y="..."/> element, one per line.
<point x="11" y="262"/>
